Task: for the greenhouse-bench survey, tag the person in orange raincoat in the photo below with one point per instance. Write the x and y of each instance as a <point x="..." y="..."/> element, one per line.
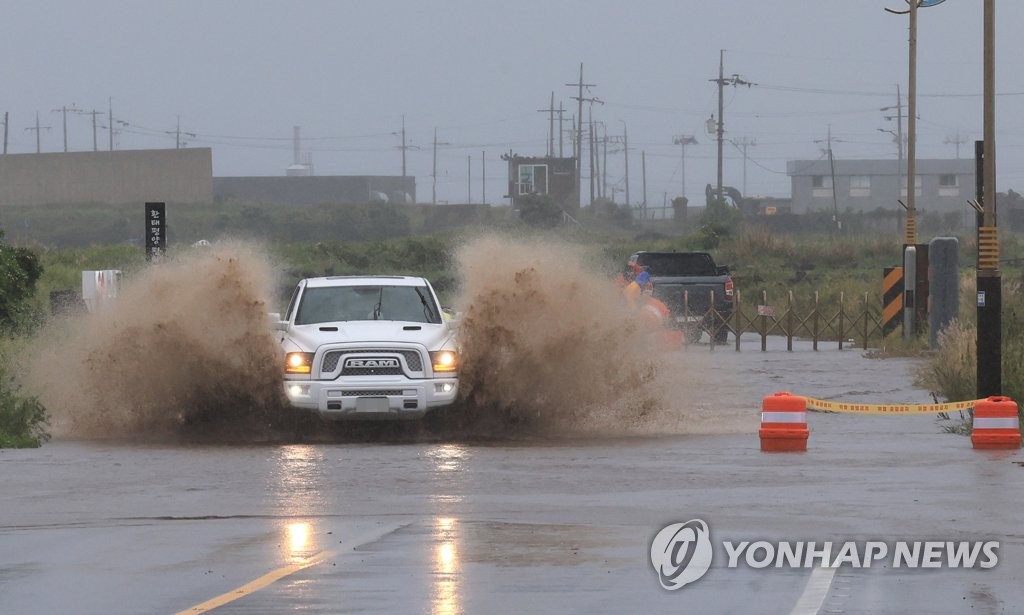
<point x="653" y="311"/>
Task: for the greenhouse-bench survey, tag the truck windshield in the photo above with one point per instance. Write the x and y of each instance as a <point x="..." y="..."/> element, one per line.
<point x="344" y="303"/>
<point x="677" y="264"/>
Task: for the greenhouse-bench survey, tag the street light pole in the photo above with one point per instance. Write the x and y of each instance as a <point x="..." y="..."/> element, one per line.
<point x="682" y="141"/>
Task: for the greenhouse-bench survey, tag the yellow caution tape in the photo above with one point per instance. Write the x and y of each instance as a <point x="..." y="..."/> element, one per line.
<point x="834" y="406"/>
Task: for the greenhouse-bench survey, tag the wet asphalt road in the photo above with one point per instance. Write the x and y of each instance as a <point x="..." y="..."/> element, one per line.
<point x="526" y="526"/>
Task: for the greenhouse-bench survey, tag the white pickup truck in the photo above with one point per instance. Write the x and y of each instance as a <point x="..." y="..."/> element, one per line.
<point x="368" y="347"/>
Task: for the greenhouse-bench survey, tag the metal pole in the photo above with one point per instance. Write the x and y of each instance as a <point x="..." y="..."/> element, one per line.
<point x="483" y="177"/>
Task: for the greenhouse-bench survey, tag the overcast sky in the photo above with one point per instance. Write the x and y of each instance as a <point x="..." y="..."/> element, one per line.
<point x="240" y="75"/>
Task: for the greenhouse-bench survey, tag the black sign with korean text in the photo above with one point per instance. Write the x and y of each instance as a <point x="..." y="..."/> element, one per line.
<point x="156" y="231"/>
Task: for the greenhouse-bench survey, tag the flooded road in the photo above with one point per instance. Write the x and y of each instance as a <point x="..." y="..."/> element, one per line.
<point x="448" y="523"/>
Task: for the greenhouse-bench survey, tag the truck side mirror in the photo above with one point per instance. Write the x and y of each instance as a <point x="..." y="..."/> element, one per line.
<point x="276" y="323"/>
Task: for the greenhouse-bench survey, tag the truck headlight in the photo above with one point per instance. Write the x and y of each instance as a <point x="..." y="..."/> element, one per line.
<point x="298" y="363"/>
<point x="445" y="361"/>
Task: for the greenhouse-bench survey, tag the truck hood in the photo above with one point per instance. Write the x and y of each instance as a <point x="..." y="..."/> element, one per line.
<point x="310" y="337"/>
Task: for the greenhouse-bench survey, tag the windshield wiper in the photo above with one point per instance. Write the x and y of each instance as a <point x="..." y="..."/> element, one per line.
<point x="380" y="299"/>
<point x="427" y="311"/>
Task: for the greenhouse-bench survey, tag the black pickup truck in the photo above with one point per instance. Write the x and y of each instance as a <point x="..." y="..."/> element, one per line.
<point x="698" y="293"/>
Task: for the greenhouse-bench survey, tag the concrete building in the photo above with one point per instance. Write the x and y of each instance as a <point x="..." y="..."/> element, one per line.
<point x="941" y="186"/>
<point x="117" y="177"/>
<point x="317" y="189"/>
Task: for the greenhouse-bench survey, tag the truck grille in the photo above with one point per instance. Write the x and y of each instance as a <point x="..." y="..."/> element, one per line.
<point x="334" y="357"/>
<point x="380" y="393"/>
<point x="372" y="371"/>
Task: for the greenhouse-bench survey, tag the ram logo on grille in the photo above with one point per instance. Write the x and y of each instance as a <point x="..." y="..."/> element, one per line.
<point x="371" y="363"/>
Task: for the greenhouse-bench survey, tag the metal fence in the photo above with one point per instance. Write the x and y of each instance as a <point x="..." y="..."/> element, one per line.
<point x="845" y="323"/>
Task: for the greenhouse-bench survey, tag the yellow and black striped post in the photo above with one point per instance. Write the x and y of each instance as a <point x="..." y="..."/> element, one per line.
<point x="892" y="299"/>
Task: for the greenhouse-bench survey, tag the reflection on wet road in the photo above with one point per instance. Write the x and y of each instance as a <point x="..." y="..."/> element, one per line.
<point x="523" y="525"/>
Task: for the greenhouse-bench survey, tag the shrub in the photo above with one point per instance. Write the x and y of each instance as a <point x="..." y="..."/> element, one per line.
<point x="23" y="420"/>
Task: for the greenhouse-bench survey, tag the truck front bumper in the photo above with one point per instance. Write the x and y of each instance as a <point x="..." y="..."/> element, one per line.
<point x="371" y="398"/>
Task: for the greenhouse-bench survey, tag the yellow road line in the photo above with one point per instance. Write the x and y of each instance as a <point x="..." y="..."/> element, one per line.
<point x="276" y="575"/>
<point x="256" y="585"/>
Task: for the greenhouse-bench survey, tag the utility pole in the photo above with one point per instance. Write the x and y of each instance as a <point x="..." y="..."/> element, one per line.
<point x="178" y="143"/>
<point x="643" y="170"/>
<point x="722" y="81"/>
<point x="832" y="166"/>
<point x="110" y="120"/>
<point x="744" y="143"/>
<point x="682" y="141"/>
<point x="38" y="128"/>
<point x="593" y="179"/>
<point x="604" y="162"/>
<point x="94" y="113"/>
<point x="989" y="279"/>
<point x="579" y="131"/>
<point x="433" y="172"/>
<point x="625" y="150"/>
<point x="561" y="132"/>
<point x="957" y="141"/>
<point x="469" y="179"/>
<point x="64" y="113"/>
<point x="5" y="131"/>
<point x="898" y="137"/>
<point x="403" y="146"/>
<point x="911" y="228"/>
<point x="483" y="176"/>
<point x="551" y="125"/>
<point x="910" y="234"/>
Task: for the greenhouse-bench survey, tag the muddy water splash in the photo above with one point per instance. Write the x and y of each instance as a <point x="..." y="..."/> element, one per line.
<point x="187" y="342"/>
<point x="549" y="343"/>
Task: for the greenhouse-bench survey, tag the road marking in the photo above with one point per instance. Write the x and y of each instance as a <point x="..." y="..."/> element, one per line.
<point x="285" y="571"/>
<point x="815" y="593"/>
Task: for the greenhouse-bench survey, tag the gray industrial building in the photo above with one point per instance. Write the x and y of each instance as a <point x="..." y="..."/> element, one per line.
<point x="115" y="177"/>
<point x="317" y="189"/>
<point x="941" y="186"/>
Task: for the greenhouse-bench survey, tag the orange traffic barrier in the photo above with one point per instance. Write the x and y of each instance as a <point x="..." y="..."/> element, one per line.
<point x="783" y="423"/>
<point x="996" y="424"/>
